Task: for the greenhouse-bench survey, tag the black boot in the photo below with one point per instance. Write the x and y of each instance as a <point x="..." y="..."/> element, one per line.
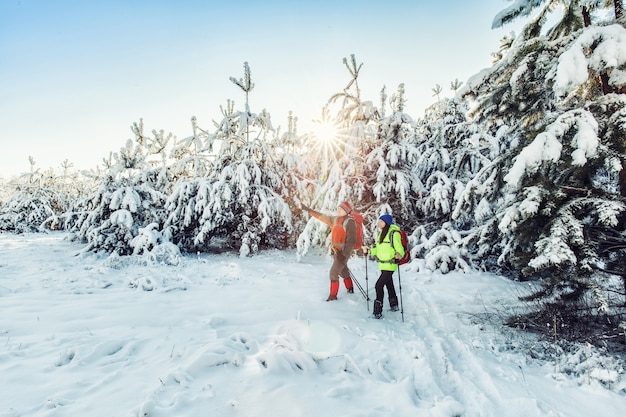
<point x="378" y="309"/>
<point x="393" y="304"/>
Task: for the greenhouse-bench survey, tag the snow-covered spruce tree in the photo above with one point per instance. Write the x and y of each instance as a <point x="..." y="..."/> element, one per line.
<point x="560" y="158"/>
<point x="298" y="172"/>
<point x="238" y="204"/>
<point x="395" y="187"/>
<point x="390" y="168"/>
<point x="38" y="200"/>
<point x="511" y="102"/>
<point x="338" y="156"/>
<point x="125" y="215"/>
<point x="452" y="151"/>
<point x="192" y="156"/>
<point x="190" y="161"/>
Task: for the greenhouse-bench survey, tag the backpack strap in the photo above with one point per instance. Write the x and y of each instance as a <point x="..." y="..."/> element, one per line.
<point x="391" y="239"/>
<point x="345" y="227"/>
<point x="347" y="219"/>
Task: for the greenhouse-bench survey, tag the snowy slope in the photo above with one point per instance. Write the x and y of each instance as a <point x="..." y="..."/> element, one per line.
<point x="219" y="335"/>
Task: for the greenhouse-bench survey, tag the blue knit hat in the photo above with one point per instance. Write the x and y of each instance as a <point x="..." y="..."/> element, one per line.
<point x="386" y="218"/>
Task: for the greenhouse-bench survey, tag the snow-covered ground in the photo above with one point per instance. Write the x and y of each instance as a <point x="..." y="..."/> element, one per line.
<point x="219" y="335"/>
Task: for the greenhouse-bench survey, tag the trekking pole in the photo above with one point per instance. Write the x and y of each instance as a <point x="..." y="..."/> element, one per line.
<point x="400" y="286"/>
<point x="360" y="287"/>
<point x="367" y="286"/>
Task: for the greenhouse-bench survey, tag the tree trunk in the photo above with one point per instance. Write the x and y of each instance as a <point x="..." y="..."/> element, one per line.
<point x="622" y="189"/>
<point x="622" y="180"/>
<point x="604" y="78"/>
<point x="606" y="88"/>
<point x="624" y="282"/>
<point x="619" y="12"/>
<point x="586" y="17"/>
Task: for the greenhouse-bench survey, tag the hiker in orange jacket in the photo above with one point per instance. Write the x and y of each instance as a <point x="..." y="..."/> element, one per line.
<point x="343" y="238"/>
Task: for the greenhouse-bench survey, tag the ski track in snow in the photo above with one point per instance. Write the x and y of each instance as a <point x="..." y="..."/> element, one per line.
<point x="224" y="336"/>
<point x="460" y="378"/>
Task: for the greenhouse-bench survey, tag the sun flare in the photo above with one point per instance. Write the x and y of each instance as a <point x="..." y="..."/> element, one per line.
<point x="327" y="138"/>
<point x="325" y="132"/>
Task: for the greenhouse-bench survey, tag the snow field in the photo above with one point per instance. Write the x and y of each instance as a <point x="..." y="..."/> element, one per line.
<point x="220" y="335"/>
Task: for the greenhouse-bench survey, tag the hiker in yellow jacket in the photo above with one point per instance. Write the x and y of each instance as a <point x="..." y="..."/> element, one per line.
<point x="387" y="252"/>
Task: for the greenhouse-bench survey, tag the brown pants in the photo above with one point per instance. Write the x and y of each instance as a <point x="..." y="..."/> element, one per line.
<point x="339" y="268"/>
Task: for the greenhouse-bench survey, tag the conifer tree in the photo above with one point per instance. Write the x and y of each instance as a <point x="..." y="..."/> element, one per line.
<point x="452" y="151"/>
<point x="390" y="165"/>
<point x="37" y="201"/>
<point x="192" y="156"/>
<point x="297" y="170"/>
<point x="129" y="200"/>
<point x="239" y="201"/>
<point x="554" y="100"/>
<point x="351" y="124"/>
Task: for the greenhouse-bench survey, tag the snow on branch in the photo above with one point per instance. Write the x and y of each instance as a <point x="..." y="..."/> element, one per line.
<point x="552" y="250"/>
<point x="547" y="145"/>
<point x="518" y="8"/>
<point x="521" y="211"/>
<point x="566" y="233"/>
<point x="597" y="48"/>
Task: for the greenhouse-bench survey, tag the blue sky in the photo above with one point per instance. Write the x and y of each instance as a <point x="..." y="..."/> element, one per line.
<point x="74" y="74"/>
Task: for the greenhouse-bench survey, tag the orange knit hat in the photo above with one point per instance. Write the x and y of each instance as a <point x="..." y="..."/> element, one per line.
<point x="346" y="206"/>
